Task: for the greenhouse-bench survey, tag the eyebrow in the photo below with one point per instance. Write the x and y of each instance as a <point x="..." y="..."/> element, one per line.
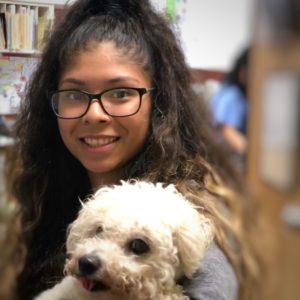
<point x="109" y="81"/>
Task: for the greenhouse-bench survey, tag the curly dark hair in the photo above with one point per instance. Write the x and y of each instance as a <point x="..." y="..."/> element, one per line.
<point x="180" y="148"/>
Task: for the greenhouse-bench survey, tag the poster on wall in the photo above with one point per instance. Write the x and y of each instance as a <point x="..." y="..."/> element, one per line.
<point x="175" y="9"/>
<point x="14" y="74"/>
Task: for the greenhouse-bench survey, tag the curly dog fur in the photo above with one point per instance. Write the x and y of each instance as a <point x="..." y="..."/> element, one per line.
<point x="133" y="241"/>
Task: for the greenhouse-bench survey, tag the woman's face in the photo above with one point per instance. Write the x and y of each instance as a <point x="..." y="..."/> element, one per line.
<point x="104" y="144"/>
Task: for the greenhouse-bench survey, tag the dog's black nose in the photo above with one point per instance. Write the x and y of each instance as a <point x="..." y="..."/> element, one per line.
<point x="88" y="264"/>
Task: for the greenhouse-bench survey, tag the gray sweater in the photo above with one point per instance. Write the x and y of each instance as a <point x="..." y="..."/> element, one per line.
<point x="215" y="280"/>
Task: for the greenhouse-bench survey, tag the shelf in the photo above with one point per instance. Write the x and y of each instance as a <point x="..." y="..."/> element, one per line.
<point x="6" y="141"/>
<point x="20" y="53"/>
<point x="36" y="2"/>
<point x="42" y="2"/>
<point x="24" y="26"/>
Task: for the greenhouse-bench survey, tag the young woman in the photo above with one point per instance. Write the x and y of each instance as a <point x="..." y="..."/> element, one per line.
<point x="110" y="100"/>
<point x="230" y="107"/>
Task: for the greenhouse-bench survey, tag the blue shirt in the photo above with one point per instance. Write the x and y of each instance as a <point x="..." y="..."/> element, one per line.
<point x="229" y="106"/>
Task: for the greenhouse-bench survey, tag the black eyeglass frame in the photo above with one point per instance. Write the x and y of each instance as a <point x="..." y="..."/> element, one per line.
<point x="141" y="91"/>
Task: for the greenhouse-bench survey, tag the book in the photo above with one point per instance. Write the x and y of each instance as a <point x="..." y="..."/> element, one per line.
<point x="3" y="30"/>
<point x="24" y="26"/>
<point x="45" y="23"/>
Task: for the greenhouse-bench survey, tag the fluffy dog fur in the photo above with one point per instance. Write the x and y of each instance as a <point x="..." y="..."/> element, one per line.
<point x="133" y="241"/>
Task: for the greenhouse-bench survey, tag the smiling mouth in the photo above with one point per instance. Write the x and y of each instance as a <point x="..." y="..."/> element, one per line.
<point x="93" y="285"/>
<point x="99" y="142"/>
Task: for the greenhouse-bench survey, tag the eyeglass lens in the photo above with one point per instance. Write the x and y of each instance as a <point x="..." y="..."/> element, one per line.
<point x="116" y="102"/>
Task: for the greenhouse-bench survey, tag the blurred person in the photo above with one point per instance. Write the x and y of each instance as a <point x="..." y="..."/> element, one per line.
<point x="229" y="107"/>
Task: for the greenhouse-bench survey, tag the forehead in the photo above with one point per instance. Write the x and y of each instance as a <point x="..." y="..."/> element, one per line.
<point x="100" y="50"/>
<point x="126" y="215"/>
<point x="103" y="61"/>
<point x="144" y="206"/>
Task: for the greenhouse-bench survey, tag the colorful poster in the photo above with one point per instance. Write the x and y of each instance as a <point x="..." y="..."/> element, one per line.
<point x="14" y="74"/>
<point x="171" y="9"/>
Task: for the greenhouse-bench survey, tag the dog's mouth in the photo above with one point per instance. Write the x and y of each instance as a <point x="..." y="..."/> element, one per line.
<point x="93" y="285"/>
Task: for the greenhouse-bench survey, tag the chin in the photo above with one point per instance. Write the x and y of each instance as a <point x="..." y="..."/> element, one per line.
<point x="110" y="173"/>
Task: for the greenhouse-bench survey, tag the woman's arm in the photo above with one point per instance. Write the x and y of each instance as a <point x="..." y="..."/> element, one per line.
<point x="215" y="280"/>
<point x="236" y="140"/>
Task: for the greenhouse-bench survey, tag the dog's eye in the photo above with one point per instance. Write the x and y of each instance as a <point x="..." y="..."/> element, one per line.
<point x="138" y="246"/>
<point x="99" y="229"/>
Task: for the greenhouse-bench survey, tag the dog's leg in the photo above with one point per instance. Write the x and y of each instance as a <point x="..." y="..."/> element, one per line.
<point x="67" y="289"/>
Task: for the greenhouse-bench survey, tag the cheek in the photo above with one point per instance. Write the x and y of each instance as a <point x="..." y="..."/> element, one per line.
<point x="144" y="116"/>
<point x="139" y="125"/>
<point x="66" y="127"/>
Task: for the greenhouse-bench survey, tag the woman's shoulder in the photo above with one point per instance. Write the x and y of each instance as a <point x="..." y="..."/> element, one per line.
<point x="215" y="279"/>
<point x="228" y="92"/>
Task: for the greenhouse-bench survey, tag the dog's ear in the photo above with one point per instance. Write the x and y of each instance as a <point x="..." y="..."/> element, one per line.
<point x="192" y="238"/>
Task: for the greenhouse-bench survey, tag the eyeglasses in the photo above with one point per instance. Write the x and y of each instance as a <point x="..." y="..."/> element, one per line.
<point x="117" y="102"/>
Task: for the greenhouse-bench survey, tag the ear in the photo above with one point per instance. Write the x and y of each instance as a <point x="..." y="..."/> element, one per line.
<point x="192" y="238"/>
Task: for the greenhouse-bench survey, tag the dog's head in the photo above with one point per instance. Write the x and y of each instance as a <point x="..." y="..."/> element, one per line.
<point x="136" y="238"/>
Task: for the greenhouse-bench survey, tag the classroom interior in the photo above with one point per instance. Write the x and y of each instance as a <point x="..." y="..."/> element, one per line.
<point x="212" y="34"/>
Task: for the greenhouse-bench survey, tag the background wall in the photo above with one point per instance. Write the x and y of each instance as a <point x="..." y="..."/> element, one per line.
<point x="212" y="31"/>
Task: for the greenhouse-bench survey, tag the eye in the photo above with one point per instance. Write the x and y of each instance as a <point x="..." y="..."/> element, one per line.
<point x="99" y="230"/>
<point x="120" y="94"/>
<point x="74" y="96"/>
<point x="138" y="246"/>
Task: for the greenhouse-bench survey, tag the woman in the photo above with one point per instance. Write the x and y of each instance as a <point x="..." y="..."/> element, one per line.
<point x="229" y="108"/>
<point x="110" y="100"/>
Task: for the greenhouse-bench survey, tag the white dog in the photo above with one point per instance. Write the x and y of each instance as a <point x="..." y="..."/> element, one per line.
<point x="133" y="241"/>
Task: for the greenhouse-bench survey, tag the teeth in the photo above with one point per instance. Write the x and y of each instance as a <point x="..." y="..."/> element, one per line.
<point x="98" y="142"/>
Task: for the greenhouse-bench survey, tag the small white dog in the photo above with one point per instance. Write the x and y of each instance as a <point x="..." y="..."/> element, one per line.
<point x="133" y="241"/>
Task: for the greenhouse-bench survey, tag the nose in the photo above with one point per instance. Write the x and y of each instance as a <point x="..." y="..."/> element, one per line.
<point x="88" y="264"/>
<point x="96" y="113"/>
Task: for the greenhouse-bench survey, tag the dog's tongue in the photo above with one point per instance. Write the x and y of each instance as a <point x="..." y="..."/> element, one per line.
<point x="87" y="284"/>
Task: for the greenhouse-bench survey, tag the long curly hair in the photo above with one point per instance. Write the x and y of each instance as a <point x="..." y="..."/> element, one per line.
<point x="181" y="147"/>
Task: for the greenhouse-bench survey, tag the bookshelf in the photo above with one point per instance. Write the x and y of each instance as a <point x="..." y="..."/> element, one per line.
<point x="24" y="26"/>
